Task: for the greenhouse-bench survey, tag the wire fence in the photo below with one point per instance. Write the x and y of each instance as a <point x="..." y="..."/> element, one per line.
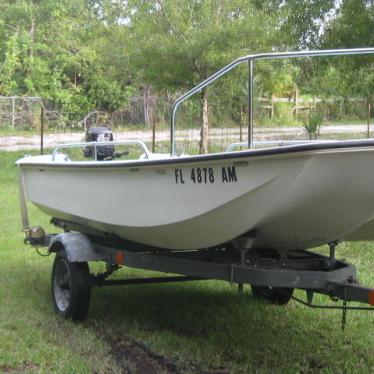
<point x="275" y="118"/>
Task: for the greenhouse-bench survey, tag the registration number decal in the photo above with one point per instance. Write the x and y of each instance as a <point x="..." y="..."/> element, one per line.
<point x="206" y="175"/>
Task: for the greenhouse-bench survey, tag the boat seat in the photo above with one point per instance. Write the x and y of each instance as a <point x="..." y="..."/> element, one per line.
<point x="61" y="157"/>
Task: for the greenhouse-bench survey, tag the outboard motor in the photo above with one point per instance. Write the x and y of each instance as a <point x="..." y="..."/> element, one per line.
<point x="99" y="134"/>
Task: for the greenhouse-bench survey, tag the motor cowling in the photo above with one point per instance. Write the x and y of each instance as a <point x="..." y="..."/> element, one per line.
<point x="99" y="134"/>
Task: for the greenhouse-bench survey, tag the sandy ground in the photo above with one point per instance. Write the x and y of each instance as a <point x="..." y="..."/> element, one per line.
<point x="13" y="143"/>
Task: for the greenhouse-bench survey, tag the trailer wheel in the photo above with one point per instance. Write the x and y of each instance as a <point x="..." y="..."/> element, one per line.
<point x="279" y="296"/>
<point x="71" y="287"/>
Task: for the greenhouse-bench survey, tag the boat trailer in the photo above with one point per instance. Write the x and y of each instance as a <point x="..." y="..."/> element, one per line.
<point x="272" y="275"/>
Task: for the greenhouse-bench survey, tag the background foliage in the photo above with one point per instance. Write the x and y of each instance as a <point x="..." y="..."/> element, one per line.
<point x="96" y="54"/>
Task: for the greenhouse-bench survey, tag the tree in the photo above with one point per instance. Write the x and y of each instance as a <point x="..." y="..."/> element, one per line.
<point x="59" y="51"/>
<point x="351" y="27"/>
<point x="181" y="43"/>
<point x="302" y="21"/>
<point x="11" y="62"/>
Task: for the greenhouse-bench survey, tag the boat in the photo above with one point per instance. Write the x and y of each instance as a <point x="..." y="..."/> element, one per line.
<point x="293" y="197"/>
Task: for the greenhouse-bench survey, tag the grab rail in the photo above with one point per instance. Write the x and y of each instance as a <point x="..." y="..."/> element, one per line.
<point x="251" y="59"/>
<point x="94" y="145"/>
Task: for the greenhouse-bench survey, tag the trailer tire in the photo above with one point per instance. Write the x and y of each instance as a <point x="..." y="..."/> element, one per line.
<point x="278" y="296"/>
<point x="71" y="287"/>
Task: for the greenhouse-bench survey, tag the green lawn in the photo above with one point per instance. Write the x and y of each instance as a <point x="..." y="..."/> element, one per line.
<point x="204" y="327"/>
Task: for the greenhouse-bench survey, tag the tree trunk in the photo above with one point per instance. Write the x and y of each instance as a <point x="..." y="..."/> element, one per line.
<point x="32" y="36"/>
<point x="204" y="122"/>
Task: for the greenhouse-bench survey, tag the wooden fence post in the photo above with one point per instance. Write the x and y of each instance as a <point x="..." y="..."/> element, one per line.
<point x="41" y="130"/>
<point x="295" y="98"/>
<point x="153" y="133"/>
<point x="369" y="112"/>
<point x="13" y="112"/>
<point x="271" y="106"/>
<point x="241" y="124"/>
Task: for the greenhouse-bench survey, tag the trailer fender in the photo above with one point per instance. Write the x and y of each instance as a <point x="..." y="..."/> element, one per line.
<point x="77" y="246"/>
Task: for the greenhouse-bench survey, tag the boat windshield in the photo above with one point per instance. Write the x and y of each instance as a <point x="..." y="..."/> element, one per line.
<point x="104" y="151"/>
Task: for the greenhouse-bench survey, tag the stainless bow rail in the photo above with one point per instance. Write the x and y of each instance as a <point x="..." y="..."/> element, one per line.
<point x="251" y="59"/>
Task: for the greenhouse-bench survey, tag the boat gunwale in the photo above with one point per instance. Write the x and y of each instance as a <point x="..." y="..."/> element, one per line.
<point x="226" y="156"/>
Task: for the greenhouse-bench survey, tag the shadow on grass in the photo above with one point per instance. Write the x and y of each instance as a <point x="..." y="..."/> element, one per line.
<point x="210" y="324"/>
<point x="192" y="309"/>
<point x="205" y="324"/>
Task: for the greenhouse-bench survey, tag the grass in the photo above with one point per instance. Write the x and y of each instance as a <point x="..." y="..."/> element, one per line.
<point x="7" y="130"/>
<point x="198" y="326"/>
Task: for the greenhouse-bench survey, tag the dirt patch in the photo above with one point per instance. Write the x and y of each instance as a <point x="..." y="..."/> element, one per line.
<point x="14" y="143"/>
<point x="26" y="367"/>
<point x="134" y="357"/>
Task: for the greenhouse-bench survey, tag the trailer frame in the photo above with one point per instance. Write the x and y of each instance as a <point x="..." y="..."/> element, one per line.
<point x="272" y="275"/>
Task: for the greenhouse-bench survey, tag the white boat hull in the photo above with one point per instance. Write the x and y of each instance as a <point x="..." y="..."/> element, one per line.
<point x="298" y="198"/>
